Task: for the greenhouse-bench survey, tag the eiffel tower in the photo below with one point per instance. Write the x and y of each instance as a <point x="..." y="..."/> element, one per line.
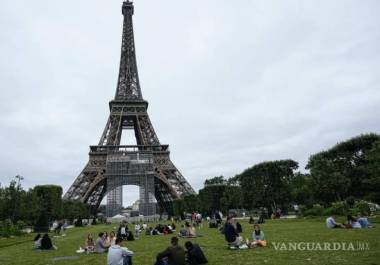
<point x="146" y="164"/>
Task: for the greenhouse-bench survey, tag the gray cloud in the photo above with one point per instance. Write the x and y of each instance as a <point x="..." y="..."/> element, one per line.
<point x="230" y="84"/>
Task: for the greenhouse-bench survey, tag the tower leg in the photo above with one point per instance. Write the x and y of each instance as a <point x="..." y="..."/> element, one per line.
<point x="114" y="201"/>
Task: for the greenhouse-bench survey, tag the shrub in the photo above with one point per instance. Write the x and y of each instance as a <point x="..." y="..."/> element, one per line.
<point x="329" y="211"/>
<point x="340" y="208"/>
<point x="350" y="200"/>
<point x="7" y="228"/>
<point x="362" y="207"/>
<point x="316" y="210"/>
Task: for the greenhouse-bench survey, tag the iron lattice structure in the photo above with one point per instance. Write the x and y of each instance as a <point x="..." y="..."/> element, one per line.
<point x="146" y="164"/>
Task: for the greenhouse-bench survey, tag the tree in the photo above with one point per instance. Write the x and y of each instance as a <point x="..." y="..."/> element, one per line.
<point x="301" y="191"/>
<point x="50" y="197"/>
<point x="215" y="180"/>
<point x="340" y="171"/>
<point x="209" y="198"/>
<point x="75" y="210"/>
<point x="372" y="170"/>
<point x="178" y="207"/>
<point x="231" y="198"/>
<point x="267" y="184"/>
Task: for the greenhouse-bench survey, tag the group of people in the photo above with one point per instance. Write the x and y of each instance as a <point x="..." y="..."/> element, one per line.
<point x="232" y="232"/>
<point x="352" y="222"/>
<point x="43" y="242"/>
<point x="111" y="244"/>
<point x="124" y="232"/>
<point x="118" y="254"/>
<point x="176" y="254"/>
<point x="160" y="229"/>
<point x="59" y="227"/>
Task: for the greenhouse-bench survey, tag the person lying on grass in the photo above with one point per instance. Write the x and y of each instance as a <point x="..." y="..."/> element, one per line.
<point x="173" y="255"/>
<point x="258" y="238"/>
<point x="119" y="255"/>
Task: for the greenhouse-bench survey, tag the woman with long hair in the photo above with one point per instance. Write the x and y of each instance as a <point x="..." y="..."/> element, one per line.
<point x="89" y="244"/>
<point x="258" y="238"/>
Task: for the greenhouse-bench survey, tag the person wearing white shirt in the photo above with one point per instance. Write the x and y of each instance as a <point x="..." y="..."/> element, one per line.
<point x="119" y="255"/>
<point x="137" y="229"/>
<point x="330" y="223"/>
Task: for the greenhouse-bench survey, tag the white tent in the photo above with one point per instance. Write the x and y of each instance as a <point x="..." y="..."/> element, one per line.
<point x="117" y="218"/>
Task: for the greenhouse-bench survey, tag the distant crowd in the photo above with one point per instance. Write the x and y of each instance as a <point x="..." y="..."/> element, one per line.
<point x="113" y="243"/>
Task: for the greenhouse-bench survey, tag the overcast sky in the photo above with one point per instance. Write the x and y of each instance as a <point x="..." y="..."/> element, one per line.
<point x="229" y="83"/>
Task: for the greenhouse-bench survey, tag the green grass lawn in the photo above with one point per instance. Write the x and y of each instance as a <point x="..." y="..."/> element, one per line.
<point x="18" y="250"/>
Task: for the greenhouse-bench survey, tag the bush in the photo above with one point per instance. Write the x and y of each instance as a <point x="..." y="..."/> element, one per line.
<point x="350" y="200"/>
<point x="340" y="208"/>
<point x="7" y="228"/>
<point x="316" y="210"/>
<point x="363" y="208"/>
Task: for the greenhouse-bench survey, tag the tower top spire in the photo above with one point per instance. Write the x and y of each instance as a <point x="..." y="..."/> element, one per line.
<point x="128" y="85"/>
<point x="127" y="5"/>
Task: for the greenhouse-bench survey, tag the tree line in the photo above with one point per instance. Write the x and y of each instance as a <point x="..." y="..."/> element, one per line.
<point x="348" y="170"/>
<point x="36" y="207"/>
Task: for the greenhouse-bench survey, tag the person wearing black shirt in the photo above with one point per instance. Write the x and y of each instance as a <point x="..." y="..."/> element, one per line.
<point x="195" y="254"/>
<point x="232" y="237"/>
<point x="46" y="243"/>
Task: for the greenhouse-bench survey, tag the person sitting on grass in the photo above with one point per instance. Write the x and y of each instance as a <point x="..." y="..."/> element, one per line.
<point x="106" y="239"/>
<point x="183" y="232"/>
<point x="137" y="229"/>
<point x="148" y="231"/>
<point x="112" y="238"/>
<point x="37" y="241"/>
<point x="239" y="228"/>
<point x="122" y="231"/>
<point x="258" y="238"/>
<point x="46" y="243"/>
<point x="195" y="254"/>
<point x="352" y="222"/>
<point x="90" y="246"/>
<point x="330" y="223"/>
<point x="192" y="231"/>
<point x="364" y="222"/>
<point x="100" y="246"/>
<point x="167" y="230"/>
<point x="231" y="236"/>
<point x="130" y="236"/>
<point x="119" y="255"/>
<point x="173" y="255"/>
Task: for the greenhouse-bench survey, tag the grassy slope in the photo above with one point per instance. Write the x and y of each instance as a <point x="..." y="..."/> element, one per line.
<point x="311" y="230"/>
